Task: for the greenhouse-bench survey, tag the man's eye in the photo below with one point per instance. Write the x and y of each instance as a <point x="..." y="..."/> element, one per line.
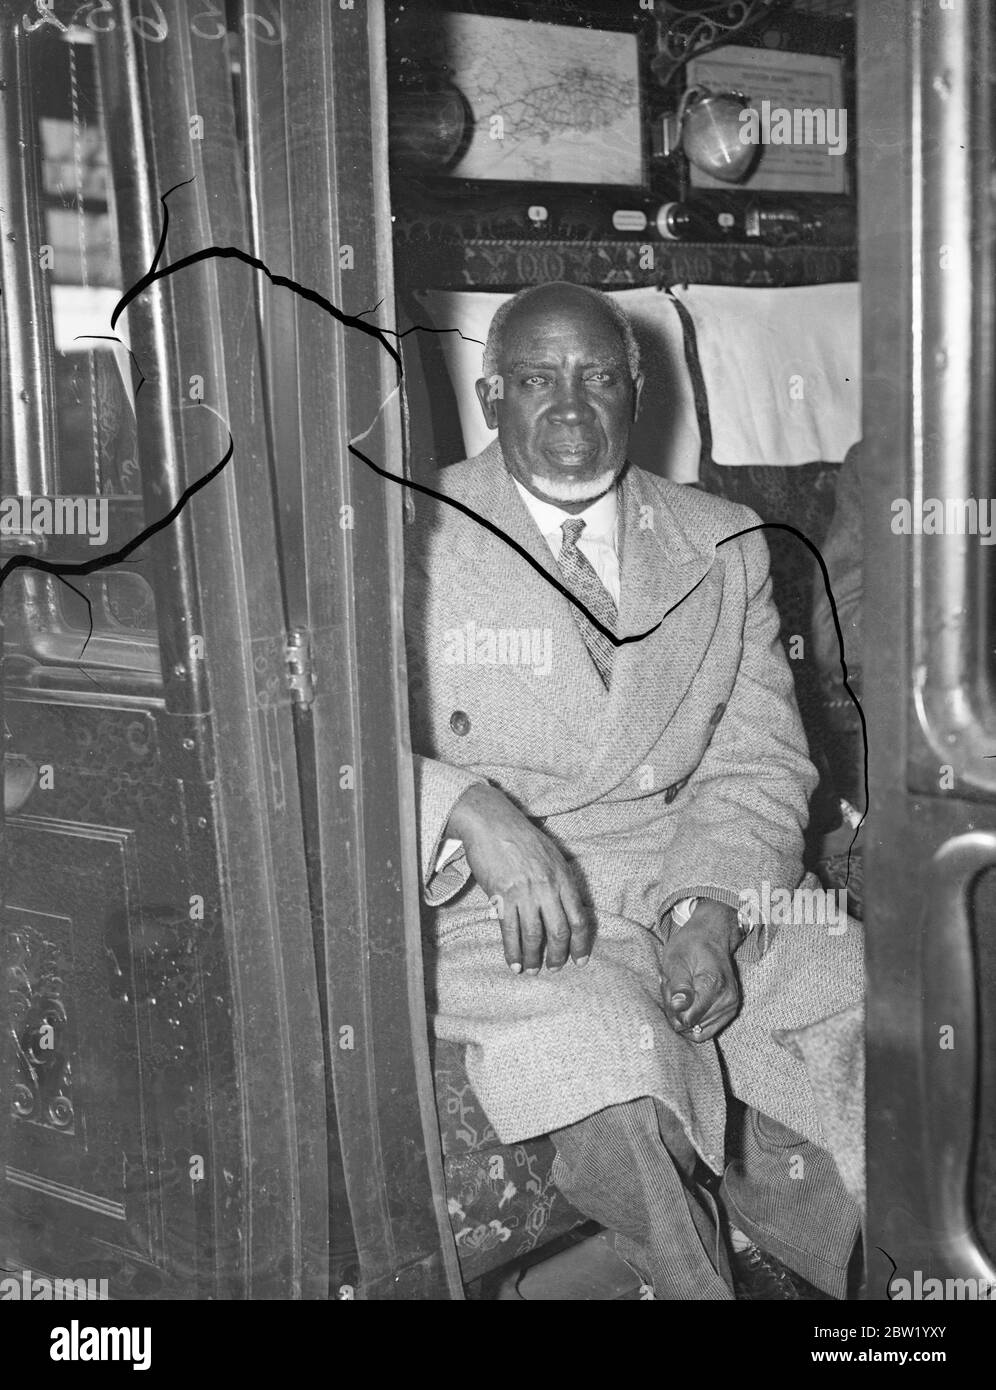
<point x="534" y="381"/>
<point x="599" y="377"/>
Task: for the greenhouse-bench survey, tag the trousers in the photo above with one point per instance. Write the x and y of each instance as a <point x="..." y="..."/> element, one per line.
<point x="632" y="1168"/>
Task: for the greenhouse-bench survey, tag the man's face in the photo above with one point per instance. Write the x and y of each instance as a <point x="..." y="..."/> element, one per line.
<point x="568" y="400"/>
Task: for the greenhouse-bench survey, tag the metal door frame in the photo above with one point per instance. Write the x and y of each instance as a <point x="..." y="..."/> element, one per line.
<point x="926" y="249"/>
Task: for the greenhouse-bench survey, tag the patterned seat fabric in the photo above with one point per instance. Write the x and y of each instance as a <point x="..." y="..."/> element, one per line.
<point x="803" y="497"/>
<point x="503" y="1204"/>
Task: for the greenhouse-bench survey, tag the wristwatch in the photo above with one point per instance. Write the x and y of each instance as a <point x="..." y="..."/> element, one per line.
<point x="684" y="908"/>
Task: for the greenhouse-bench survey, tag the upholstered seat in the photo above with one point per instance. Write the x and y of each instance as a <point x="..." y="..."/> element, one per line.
<point x="503" y="1204"/>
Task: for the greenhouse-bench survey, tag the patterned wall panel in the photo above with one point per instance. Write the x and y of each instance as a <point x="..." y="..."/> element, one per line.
<point x="119" y="1152"/>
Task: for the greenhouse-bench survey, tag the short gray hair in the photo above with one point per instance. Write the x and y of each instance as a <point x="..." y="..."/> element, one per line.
<point x="495" y="345"/>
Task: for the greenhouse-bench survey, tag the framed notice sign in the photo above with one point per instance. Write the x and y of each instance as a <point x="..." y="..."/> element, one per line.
<point x="798" y="117"/>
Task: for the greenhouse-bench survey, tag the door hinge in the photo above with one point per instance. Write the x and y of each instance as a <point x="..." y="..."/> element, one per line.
<point x="300" y="672"/>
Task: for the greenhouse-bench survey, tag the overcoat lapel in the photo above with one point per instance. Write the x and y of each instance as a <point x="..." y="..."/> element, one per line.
<point x="664" y="575"/>
<point x="663" y="572"/>
<point x="572" y="693"/>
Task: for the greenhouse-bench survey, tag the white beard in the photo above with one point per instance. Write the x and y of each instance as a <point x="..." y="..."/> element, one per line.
<point x="567" y="490"/>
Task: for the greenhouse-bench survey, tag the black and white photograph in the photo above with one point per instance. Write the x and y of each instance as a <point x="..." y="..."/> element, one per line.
<point x="498" y="629"/>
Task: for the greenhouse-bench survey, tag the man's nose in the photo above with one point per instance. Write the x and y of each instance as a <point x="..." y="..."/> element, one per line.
<point x="570" y="404"/>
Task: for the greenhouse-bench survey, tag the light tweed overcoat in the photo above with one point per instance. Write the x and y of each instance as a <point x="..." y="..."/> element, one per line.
<point x="690" y="776"/>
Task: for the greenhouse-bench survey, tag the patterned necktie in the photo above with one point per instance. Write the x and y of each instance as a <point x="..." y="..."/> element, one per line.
<point x="585" y="585"/>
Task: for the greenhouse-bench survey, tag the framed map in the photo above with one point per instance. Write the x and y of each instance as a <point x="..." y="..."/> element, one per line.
<point x="551" y="103"/>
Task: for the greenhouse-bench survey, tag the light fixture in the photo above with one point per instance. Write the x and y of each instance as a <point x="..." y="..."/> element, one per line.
<point x="706" y="129"/>
<point x="710" y="131"/>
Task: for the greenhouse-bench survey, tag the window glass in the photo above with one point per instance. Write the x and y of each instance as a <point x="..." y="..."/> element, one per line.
<point x="93" y="378"/>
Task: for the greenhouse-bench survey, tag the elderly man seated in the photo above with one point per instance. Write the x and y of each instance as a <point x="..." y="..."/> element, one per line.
<point x="595" y="814"/>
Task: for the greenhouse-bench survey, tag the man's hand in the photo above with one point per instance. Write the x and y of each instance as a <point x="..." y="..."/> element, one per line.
<point x="698" y="977"/>
<point x="513" y="861"/>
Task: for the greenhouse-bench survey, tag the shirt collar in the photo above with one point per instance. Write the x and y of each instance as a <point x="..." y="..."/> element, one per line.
<point x="599" y="519"/>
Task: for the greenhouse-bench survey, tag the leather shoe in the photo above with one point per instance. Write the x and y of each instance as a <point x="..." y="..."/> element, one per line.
<point x="759" y="1277"/>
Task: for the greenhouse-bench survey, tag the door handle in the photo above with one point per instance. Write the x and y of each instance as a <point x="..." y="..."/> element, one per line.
<point x="951" y="1074"/>
<point x="20" y="776"/>
<point x="953" y="419"/>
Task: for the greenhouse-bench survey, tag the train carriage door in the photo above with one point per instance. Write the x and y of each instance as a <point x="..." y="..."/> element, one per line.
<point x="163" y="1118"/>
<point x="316" y="129"/>
<point x="218" y="1082"/>
<point x="927" y="264"/>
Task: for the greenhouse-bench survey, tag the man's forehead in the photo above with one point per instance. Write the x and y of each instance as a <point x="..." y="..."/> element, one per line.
<point x="537" y="330"/>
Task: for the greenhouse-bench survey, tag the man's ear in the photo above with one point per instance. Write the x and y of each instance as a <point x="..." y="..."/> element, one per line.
<point x="637" y="393"/>
<point x="489" y="392"/>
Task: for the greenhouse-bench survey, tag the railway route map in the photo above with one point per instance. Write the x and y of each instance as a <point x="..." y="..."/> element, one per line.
<point x="572" y="118"/>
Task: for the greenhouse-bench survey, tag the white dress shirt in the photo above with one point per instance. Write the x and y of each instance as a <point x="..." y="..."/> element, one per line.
<point x="598" y="542"/>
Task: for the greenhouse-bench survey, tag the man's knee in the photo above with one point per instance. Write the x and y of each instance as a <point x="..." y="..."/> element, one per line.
<point x="766" y="1150"/>
<point x="633" y="1127"/>
<point x="781" y="1180"/>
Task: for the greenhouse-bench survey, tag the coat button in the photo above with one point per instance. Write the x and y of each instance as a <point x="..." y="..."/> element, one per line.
<point x="459" y="722"/>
